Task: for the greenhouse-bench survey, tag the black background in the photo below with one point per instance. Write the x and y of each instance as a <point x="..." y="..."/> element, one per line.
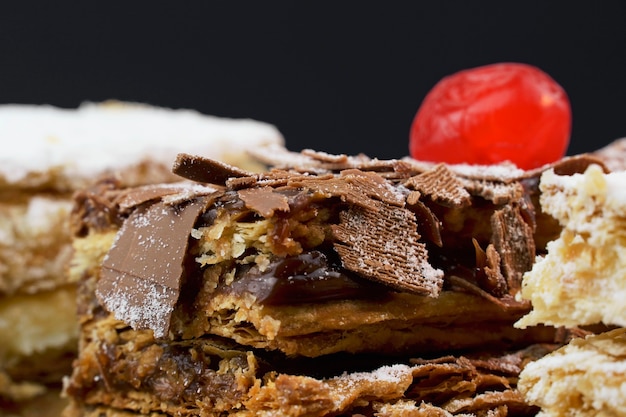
<point x="342" y="77"/>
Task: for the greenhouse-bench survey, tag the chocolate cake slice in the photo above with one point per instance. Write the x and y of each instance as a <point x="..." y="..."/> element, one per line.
<point x="310" y="289"/>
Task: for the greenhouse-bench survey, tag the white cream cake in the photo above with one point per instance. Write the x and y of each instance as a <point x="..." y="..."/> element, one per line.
<point x="66" y="148"/>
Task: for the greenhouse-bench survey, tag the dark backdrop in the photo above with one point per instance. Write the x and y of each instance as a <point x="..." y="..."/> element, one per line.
<point x="343" y="77"/>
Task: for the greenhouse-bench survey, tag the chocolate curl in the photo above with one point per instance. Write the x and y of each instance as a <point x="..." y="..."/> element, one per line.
<point x="199" y="169"/>
<point x="142" y="273"/>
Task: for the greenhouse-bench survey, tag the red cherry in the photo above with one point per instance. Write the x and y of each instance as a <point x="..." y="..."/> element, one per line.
<point x="494" y="113"/>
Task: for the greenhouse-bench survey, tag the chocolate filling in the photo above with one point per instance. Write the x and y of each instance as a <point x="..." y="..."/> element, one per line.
<point x="305" y="278"/>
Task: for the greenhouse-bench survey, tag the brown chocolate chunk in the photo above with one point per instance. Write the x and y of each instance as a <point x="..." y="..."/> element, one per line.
<point x="264" y="200"/>
<point x="441" y="185"/>
<point x="326" y="157"/>
<point x="373" y="185"/>
<point x="352" y="186"/>
<point x="132" y="197"/>
<point x="141" y="275"/>
<point x="197" y="168"/>
<point x="513" y="240"/>
<point x="335" y="187"/>
<point x="241" y="182"/>
<point x="429" y="225"/>
<point x="494" y="282"/>
<point x="383" y="245"/>
<point x="496" y="192"/>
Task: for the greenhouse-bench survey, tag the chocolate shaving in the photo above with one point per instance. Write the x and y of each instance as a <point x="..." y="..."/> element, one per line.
<point x="320" y="162"/>
<point x="493" y="281"/>
<point x="241" y="182"/>
<point x="197" y="168"/>
<point x="441" y="186"/>
<point x="129" y="198"/>
<point x="280" y="178"/>
<point x="413" y="198"/>
<point x="373" y="185"/>
<point x="428" y="225"/>
<point x="132" y="197"/>
<point x="264" y="200"/>
<point x="325" y="157"/>
<point x="383" y="245"/>
<point x="496" y="192"/>
<point x="141" y="275"/>
<point x="275" y="178"/>
<point x="513" y="239"/>
<point x="506" y="302"/>
<point x="336" y="187"/>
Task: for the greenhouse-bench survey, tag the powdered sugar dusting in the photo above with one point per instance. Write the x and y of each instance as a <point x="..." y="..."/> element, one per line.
<point x="98" y="137"/>
<point x="152" y="311"/>
<point x="393" y="380"/>
<point x="394" y="374"/>
<point x="504" y="171"/>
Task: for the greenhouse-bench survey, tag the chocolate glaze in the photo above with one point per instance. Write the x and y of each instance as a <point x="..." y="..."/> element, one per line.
<point x="305" y="278"/>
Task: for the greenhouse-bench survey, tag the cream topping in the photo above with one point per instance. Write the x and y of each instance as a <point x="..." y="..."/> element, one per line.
<point x="97" y="137"/>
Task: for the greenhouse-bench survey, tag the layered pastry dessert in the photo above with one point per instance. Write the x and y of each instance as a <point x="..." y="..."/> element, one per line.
<point x="581" y="281"/>
<point x="329" y="285"/>
<point x="48" y="154"/>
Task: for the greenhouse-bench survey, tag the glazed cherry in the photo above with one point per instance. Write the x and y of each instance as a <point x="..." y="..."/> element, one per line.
<point x="494" y="113"/>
